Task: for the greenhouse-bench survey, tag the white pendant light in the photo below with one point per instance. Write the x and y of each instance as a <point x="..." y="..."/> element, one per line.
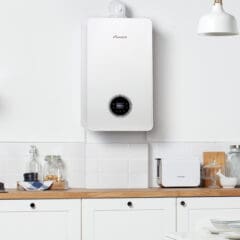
<point x="218" y="22"/>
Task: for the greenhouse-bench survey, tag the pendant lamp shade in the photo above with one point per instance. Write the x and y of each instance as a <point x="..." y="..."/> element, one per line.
<point x="218" y="22"/>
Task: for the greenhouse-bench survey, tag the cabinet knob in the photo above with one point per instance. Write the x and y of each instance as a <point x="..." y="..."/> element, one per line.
<point x="130" y="204"/>
<point x="32" y="205"/>
<point x="183" y="203"/>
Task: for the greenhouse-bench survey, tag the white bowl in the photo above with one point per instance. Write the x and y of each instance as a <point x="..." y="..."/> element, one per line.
<point x="35" y="186"/>
<point x="223" y="225"/>
<point x="228" y="182"/>
<point x="234" y="227"/>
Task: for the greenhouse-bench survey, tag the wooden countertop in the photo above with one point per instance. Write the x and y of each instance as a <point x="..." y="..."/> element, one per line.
<point x="121" y="193"/>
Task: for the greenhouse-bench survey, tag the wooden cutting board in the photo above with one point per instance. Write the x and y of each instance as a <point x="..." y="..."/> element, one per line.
<point x="219" y="157"/>
<point x="208" y="157"/>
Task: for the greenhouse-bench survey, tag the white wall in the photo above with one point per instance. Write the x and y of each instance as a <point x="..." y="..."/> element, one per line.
<point x="197" y="78"/>
<point x="196" y="81"/>
<point x="40" y="75"/>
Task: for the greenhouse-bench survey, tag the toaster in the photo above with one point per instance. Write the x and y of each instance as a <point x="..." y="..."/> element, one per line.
<point x="178" y="172"/>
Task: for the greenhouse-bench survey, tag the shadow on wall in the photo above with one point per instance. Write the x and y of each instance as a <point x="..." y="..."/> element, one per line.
<point x="160" y="68"/>
<point x="129" y="12"/>
<point x="2" y="106"/>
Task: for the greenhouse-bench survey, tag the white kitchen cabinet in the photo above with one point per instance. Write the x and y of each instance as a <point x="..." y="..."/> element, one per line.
<point x="195" y="213"/>
<point x="128" y="219"/>
<point x="40" y="219"/>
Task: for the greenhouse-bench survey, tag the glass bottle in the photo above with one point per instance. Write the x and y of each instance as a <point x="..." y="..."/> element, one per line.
<point x="54" y="168"/>
<point x="34" y="166"/>
<point x="233" y="163"/>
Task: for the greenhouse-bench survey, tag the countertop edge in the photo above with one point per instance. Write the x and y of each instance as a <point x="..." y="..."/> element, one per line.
<point x="82" y="193"/>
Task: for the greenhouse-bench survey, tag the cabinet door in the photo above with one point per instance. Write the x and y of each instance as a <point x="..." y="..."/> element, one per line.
<point x="195" y="213"/>
<point x="40" y="219"/>
<point x="128" y="219"/>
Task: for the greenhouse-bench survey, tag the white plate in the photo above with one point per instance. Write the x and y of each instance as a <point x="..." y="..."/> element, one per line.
<point x="223" y="225"/>
<point x="235" y="227"/>
<point x="214" y="231"/>
<point x="231" y="235"/>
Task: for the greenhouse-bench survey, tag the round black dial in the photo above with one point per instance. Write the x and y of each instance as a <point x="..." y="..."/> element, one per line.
<point x="120" y="106"/>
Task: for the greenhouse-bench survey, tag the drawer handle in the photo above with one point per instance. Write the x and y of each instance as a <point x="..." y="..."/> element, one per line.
<point x="183" y="203"/>
<point x="32" y="205"/>
<point x="130" y="204"/>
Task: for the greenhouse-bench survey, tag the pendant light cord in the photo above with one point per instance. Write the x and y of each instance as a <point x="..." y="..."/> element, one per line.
<point x="218" y="1"/>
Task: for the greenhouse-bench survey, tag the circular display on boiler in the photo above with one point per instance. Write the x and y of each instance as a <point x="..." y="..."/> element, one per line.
<point x="120" y="105"/>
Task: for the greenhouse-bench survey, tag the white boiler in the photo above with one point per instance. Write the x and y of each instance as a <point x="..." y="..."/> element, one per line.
<point x="119" y="89"/>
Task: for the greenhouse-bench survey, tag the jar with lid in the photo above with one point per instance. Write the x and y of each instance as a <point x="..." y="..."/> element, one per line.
<point x="54" y="169"/>
<point x="233" y="163"/>
<point x="209" y="174"/>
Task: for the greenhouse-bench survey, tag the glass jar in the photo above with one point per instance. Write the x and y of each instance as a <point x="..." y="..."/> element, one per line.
<point x="233" y="163"/>
<point x="54" y="168"/>
<point x="209" y="174"/>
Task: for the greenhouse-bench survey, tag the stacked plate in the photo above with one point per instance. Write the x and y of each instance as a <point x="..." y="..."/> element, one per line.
<point x="230" y="228"/>
<point x="235" y="227"/>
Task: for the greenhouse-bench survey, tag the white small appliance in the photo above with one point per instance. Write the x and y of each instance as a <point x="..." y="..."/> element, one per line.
<point x="119" y="88"/>
<point x="179" y="172"/>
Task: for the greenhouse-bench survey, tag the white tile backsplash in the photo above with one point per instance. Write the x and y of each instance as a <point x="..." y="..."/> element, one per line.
<point x="138" y="166"/>
<point x="138" y="180"/>
<point x="115" y="165"/>
<point x="92" y="179"/>
<point x="14" y="158"/>
<point x="113" y="181"/>
<point x="102" y="165"/>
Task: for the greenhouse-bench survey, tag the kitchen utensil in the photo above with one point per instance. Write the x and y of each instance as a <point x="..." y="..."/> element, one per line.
<point x="219" y="157"/>
<point x="227" y="182"/>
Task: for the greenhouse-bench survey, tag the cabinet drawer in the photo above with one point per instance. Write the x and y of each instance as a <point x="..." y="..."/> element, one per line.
<point x="40" y="219"/>
<point x="128" y="218"/>
<point x="196" y="213"/>
<point x="129" y="203"/>
<point x="38" y="205"/>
